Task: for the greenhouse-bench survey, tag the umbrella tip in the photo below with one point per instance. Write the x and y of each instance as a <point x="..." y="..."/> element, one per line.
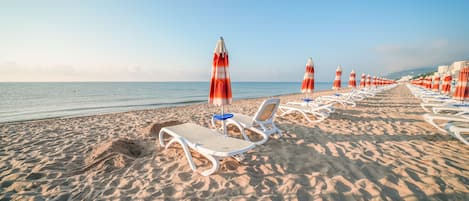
<point x="221" y="37"/>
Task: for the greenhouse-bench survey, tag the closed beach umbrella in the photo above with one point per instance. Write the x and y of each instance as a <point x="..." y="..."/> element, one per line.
<point x="421" y="82"/>
<point x="429" y="82"/>
<point x="338" y="74"/>
<point x="373" y="83"/>
<point x="351" y="82"/>
<point x="362" y="80"/>
<point x="220" y="83"/>
<point x="462" y="88"/>
<point x="436" y="83"/>
<point x="446" y="87"/>
<point x="424" y="82"/>
<point x="368" y="81"/>
<point x="308" y="80"/>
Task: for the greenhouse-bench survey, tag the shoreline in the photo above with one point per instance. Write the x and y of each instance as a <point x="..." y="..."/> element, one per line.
<point x="322" y="92"/>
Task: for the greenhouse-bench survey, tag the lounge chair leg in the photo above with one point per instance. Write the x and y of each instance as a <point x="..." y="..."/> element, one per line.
<point x="215" y="165"/>
<point x="457" y="134"/>
<point x="213" y="123"/>
<point x="160" y="136"/>
<point x="187" y="152"/>
<point x="279" y="132"/>
<point x="240" y="128"/>
<point x="264" y="136"/>
<point x="307" y="118"/>
<point x="239" y="157"/>
<point x="429" y="120"/>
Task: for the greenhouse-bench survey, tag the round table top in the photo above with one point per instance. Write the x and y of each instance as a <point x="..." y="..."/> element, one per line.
<point x="223" y="117"/>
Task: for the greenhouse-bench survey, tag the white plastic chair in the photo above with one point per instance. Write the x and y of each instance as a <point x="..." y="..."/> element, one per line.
<point x="262" y="122"/>
<point x="205" y="141"/>
<point x="455" y="125"/>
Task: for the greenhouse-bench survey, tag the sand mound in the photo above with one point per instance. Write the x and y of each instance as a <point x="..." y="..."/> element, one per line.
<point x="154" y="129"/>
<point x="115" y="154"/>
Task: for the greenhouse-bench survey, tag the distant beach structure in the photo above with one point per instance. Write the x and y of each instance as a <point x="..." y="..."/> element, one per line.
<point x="456" y="66"/>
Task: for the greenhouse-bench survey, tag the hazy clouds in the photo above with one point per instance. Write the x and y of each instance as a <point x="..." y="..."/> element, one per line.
<point x="395" y="57"/>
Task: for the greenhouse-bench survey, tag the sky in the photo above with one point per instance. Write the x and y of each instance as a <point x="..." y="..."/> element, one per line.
<point x="112" y="40"/>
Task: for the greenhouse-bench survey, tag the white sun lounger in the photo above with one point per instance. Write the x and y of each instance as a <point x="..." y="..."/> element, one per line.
<point x="319" y="112"/>
<point x="459" y="108"/>
<point x="455" y="125"/>
<point x="205" y="141"/>
<point x="314" y="104"/>
<point x="456" y="128"/>
<point x="262" y="122"/>
<point x="344" y="99"/>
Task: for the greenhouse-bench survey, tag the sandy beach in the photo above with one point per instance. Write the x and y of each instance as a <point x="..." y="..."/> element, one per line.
<point x="381" y="149"/>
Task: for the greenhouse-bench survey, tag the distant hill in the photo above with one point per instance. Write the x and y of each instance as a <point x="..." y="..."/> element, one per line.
<point x="413" y="72"/>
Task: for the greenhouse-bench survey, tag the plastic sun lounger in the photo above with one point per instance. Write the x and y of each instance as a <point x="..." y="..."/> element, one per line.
<point x="451" y="104"/>
<point x="344" y="99"/>
<point x="456" y="128"/>
<point x="314" y="104"/>
<point x="365" y="92"/>
<point x="262" y="122"/>
<point x="205" y="141"/>
<point x="318" y="112"/>
<point x="455" y="107"/>
<point x="455" y="125"/>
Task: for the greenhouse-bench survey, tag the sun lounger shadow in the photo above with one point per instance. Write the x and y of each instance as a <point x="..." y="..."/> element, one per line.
<point x="338" y="164"/>
<point x="313" y="165"/>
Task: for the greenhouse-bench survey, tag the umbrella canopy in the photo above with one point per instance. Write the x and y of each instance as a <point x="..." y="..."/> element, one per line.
<point x="373" y="82"/>
<point x="351" y="82"/>
<point x="338" y="74"/>
<point x="429" y="82"/>
<point x="362" y="80"/>
<point x="446" y="86"/>
<point x="308" y="80"/>
<point x="220" y="83"/>
<point x="436" y="83"/>
<point x="368" y="81"/>
<point x="462" y="88"/>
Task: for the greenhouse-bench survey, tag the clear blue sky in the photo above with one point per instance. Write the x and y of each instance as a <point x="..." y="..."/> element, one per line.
<point x="174" y="40"/>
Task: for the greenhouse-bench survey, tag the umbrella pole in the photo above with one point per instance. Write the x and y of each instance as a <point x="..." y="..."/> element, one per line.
<point x="223" y="121"/>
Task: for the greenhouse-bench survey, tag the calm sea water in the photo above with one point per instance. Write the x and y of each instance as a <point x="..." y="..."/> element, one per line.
<point x="28" y="101"/>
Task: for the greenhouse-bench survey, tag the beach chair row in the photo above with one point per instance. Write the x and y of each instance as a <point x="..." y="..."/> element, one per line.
<point x="443" y="112"/>
<point x="214" y="146"/>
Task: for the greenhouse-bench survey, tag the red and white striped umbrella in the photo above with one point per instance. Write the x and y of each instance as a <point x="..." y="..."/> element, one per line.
<point x="362" y="80"/>
<point x="351" y="82"/>
<point x="429" y="82"/>
<point x="308" y="80"/>
<point x="462" y="87"/>
<point x="436" y="83"/>
<point x="338" y="74"/>
<point x="220" y="83"/>
<point x="446" y="86"/>
<point x="373" y="82"/>
<point x="368" y="81"/>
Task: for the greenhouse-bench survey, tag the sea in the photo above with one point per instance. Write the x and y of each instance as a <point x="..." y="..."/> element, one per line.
<point x="31" y="101"/>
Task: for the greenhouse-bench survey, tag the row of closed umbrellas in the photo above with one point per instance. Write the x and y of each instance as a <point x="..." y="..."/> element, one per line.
<point x="462" y="86"/>
<point x="220" y="83"/>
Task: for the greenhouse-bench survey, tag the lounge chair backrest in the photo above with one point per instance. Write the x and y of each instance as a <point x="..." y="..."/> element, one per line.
<point x="267" y="110"/>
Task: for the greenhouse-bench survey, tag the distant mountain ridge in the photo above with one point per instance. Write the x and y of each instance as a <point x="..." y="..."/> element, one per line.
<point x="412" y="72"/>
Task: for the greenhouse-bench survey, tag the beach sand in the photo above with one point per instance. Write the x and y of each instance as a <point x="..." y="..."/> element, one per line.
<point x="381" y="149"/>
